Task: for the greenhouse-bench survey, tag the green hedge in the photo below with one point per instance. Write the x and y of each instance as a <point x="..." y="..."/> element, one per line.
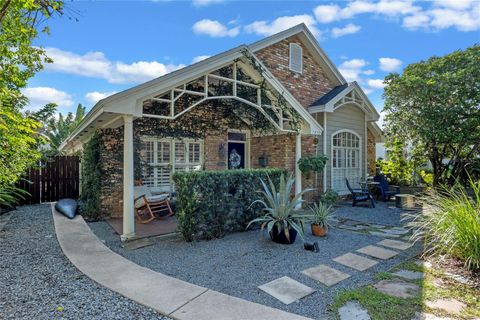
<point x="213" y="203"/>
<point x="91" y="179"/>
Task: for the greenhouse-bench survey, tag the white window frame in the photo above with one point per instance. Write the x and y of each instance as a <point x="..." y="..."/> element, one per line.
<point x="246" y="143"/>
<point x="172" y="164"/>
<point x="359" y="160"/>
<point x="290" y="60"/>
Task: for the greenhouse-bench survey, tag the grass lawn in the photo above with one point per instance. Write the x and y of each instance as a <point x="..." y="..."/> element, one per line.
<point x="435" y="285"/>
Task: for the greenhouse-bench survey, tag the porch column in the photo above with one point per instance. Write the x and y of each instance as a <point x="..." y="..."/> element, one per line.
<point x="128" y="180"/>
<point x="298" y="173"/>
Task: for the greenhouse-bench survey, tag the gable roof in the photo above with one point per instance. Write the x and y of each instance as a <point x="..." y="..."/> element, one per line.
<point x="328" y="102"/>
<point x="330" y="95"/>
<point x="311" y="42"/>
<point x="129" y="101"/>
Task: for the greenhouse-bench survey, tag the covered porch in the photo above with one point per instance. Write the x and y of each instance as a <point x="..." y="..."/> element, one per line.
<point x="226" y="118"/>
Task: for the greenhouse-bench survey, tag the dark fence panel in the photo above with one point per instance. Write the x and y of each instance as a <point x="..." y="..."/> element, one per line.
<point x="54" y="179"/>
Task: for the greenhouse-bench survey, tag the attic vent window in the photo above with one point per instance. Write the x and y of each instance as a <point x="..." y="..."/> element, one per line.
<point x="296" y="58"/>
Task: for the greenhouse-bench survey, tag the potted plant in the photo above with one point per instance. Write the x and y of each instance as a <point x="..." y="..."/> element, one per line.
<point x="283" y="223"/>
<point x="308" y="164"/>
<point x="320" y="218"/>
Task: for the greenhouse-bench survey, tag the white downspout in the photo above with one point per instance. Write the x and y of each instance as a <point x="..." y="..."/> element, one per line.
<point x="128" y="180"/>
<point x="325" y="151"/>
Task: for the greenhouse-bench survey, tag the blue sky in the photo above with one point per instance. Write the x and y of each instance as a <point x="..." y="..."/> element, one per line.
<point x="115" y="45"/>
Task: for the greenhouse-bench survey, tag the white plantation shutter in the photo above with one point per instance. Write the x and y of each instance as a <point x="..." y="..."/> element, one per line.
<point x="295" y="59"/>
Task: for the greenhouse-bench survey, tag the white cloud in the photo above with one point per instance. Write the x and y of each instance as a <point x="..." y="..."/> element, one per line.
<point x="97" y="65"/>
<point x="375" y="84"/>
<point x="213" y="28"/>
<point x="40" y="96"/>
<point x="464" y="15"/>
<point x="389" y="64"/>
<point x="199" y="58"/>
<point x="202" y="3"/>
<point x="96" y="96"/>
<point x="326" y="13"/>
<point x="369" y="72"/>
<point x="266" y="28"/>
<point x="348" y="29"/>
<point x="352" y="69"/>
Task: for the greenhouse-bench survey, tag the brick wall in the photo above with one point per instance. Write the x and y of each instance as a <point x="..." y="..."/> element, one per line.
<point x="371" y="153"/>
<point x="306" y="87"/>
<point x="280" y="150"/>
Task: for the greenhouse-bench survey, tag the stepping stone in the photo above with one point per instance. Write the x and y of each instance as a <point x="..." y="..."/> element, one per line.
<point x="451" y="305"/>
<point x="137" y="244"/>
<point x="355" y="261"/>
<point x="378" y="252"/>
<point x="427" y="316"/>
<point x="396" y="231"/>
<point x="395" y="244"/>
<point x="286" y="289"/>
<point x="421" y="263"/>
<point x="382" y="234"/>
<point x="410" y="275"/>
<point x="398" y="288"/>
<point x="378" y="226"/>
<point x="352" y="310"/>
<point x="326" y="275"/>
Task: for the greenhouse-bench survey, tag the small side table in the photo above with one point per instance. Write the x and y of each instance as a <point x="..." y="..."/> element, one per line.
<point x="405" y="201"/>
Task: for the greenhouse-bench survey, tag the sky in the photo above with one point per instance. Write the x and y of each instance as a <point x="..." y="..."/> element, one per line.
<point x="104" y="47"/>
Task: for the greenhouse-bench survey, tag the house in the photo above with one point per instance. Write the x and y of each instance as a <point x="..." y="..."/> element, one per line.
<point x="266" y="104"/>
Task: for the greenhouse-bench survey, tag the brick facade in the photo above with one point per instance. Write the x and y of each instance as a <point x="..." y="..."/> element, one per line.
<point x="307" y="86"/>
<point x="371" y="152"/>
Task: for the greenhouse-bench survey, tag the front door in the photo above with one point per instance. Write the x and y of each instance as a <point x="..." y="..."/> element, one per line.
<point x="237" y="150"/>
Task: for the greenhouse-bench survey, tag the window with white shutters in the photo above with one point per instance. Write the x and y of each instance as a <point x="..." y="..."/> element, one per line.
<point x="165" y="156"/>
<point x="295" y="60"/>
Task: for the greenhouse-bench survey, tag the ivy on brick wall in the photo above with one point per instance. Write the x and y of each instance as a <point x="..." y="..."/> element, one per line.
<point x="213" y="203"/>
<point x="91" y="179"/>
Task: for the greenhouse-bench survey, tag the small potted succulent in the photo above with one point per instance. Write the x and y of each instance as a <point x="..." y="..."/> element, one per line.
<point x="320" y="218"/>
<point x="283" y="223"/>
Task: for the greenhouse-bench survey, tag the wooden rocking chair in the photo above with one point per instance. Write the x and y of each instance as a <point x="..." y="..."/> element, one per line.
<point x="148" y="206"/>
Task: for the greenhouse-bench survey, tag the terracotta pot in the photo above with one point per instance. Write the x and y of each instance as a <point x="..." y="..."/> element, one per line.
<point x="318" y="231"/>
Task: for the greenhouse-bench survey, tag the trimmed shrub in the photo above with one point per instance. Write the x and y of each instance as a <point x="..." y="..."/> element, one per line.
<point x="91" y="179"/>
<point x="213" y="203"/>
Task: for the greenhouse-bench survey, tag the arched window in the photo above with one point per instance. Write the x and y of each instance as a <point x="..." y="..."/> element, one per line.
<point x="346" y="160"/>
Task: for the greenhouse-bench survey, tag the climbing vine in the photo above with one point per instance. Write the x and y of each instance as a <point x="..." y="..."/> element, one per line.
<point x="91" y="182"/>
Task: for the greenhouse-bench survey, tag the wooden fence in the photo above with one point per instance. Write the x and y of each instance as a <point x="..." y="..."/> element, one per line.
<point x="53" y="180"/>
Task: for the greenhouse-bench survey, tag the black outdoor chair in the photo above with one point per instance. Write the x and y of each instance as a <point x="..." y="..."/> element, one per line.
<point x="360" y="195"/>
<point x="384" y="189"/>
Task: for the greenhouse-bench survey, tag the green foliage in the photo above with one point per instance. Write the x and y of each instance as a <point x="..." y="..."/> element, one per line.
<point x="91" y="182"/>
<point x="434" y="105"/>
<point x="321" y="214"/>
<point x="329" y="198"/>
<point x="308" y="164"/>
<point x="212" y="203"/>
<point x="59" y="129"/>
<point x="397" y="169"/>
<point x="18" y="145"/>
<point x="9" y="195"/>
<point x="450" y="223"/>
<point x="19" y="58"/>
<point x="19" y="61"/>
<point x="280" y="207"/>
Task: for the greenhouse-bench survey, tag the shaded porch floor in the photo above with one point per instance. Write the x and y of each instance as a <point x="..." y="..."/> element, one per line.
<point x="154" y="228"/>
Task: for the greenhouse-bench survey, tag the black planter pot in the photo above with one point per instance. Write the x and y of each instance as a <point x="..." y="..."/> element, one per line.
<point x="280" y="237"/>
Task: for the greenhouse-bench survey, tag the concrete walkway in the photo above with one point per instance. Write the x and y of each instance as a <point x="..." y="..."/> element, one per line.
<point x="169" y="296"/>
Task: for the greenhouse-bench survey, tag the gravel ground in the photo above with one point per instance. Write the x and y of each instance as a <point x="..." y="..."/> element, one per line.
<point x="36" y="278"/>
<point x="384" y="212"/>
<point x="238" y="263"/>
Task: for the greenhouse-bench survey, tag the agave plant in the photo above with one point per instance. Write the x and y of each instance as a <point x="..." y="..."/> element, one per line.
<point x="321" y="215"/>
<point x="280" y="207"/>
